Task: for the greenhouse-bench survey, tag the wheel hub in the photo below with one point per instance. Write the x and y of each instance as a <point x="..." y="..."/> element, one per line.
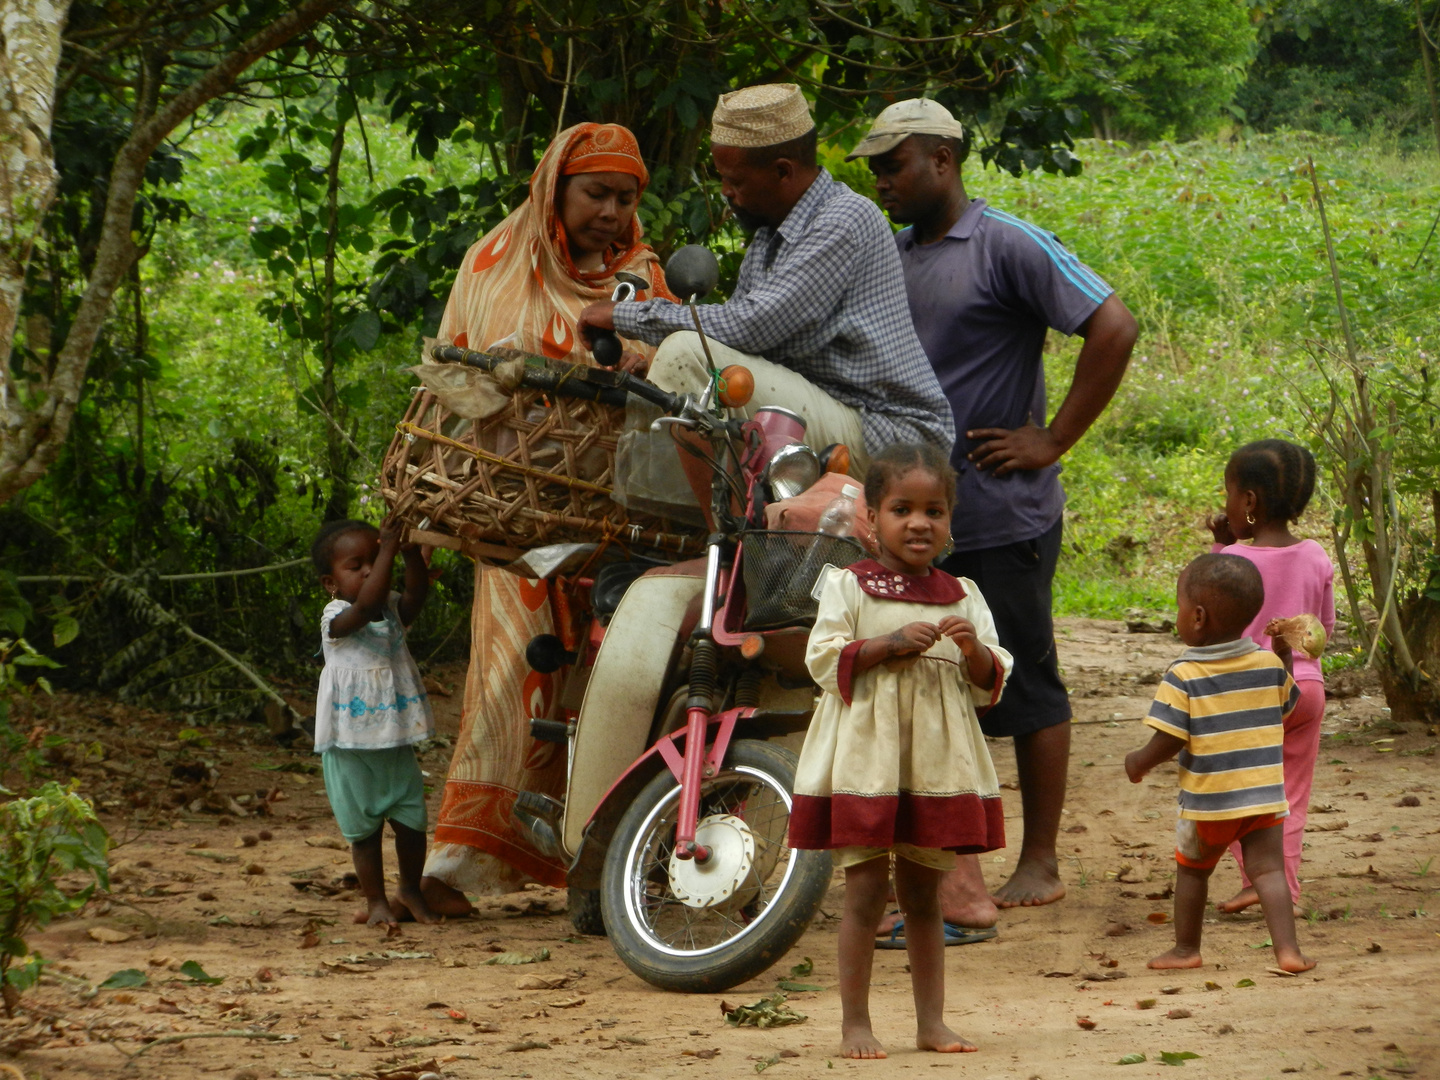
<point x="732" y="856"/>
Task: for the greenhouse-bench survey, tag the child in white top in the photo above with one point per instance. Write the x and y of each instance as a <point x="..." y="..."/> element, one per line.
<point x="372" y="708"/>
<point x="894" y="763"/>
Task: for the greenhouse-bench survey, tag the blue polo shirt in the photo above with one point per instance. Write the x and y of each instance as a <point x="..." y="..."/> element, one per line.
<point x="982" y="298"/>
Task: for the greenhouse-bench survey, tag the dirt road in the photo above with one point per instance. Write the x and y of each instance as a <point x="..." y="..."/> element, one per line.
<point x="346" y="1002"/>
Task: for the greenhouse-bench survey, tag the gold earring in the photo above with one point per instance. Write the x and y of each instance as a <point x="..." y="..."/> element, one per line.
<point x="331" y="591"/>
<point x="1249" y="518"/>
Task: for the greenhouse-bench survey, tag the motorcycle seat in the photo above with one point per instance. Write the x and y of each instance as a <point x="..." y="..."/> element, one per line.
<point x="611" y="581"/>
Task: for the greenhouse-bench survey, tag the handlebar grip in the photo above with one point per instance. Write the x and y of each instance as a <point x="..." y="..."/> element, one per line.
<point x="607" y="348"/>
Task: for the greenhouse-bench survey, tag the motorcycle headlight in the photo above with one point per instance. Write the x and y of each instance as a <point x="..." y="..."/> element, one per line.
<point x="793" y="469"/>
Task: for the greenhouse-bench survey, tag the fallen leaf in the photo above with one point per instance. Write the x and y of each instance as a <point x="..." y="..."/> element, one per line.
<point x="568" y="1003"/>
<point x="633" y="1040"/>
<point x="1159" y="918"/>
<point x="1243" y="983"/>
<point x="537" y="957"/>
<point x="1169" y="989"/>
<point x="1409" y="800"/>
<point x="457" y="1014"/>
<point x="106" y="936"/>
<point x="1117" y="929"/>
<point x="546" y="982"/>
<point x="327" y="842"/>
<point x="192" y="970"/>
<point x="1327" y="826"/>
<point x="125" y="980"/>
<point x="1145" y="1003"/>
<point x="703" y="1055"/>
<point x="765" y="1013"/>
<point x="1085" y="1023"/>
<point x="1178" y="1014"/>
<point x="799" y="987"/>
<point x="803" y="969"/>
<point x="1373" y="947"/>
<point x="1164" y="894"/>
<point x="1282" y="971"/>
<point x="1212" y="986"/>
<point x="1131" y="1059"/>
<point x="1176" y="1057"/>
<point x="484" y="1027"/>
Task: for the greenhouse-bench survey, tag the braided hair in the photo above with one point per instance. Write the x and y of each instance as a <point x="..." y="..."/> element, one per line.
<point x="1279" y="472"/>
<point x="898" y="459"/>
<point x="322" y="550"/>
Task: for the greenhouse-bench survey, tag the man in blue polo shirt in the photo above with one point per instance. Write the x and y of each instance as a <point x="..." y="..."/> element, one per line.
<point x="984" y="287"/>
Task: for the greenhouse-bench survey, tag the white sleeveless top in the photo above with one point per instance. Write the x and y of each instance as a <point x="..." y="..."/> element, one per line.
<point x="371" y="695"/>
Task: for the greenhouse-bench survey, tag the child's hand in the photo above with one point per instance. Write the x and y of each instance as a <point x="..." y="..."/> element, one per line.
<point x="914" y="637"/>
<point x="1135" y="768"/>
<point x="961" y="632"/>
<point x="1219" y="527"/>
<point x="390" y="532"/>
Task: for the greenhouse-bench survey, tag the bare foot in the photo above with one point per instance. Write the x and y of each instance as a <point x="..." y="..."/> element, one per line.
<point x="412" y="901"/>
<point x="397" y="908"/>
<point x="1176" y="958"/>
<point x="444" y="899"/>
<point x="860" y="1042"/>
<point x="1243" y="899"/>
<point x="943" y="1041"/>
<point x="1032" y="884"/>
<point x="1293" y="961"/>
<point x="1248" y="897"/>
<point x="380" y="914"/>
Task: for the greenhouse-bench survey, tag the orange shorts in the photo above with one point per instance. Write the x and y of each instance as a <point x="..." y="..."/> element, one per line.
<point x="1200" y="844"/>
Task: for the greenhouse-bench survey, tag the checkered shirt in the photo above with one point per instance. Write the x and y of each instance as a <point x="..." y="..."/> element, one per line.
<point x="824" y="295"/>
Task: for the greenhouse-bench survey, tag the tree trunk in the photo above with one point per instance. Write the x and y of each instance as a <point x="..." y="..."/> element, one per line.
<point x="30" y="32"/>
<point x="33" y="435"/>
<point x="1427" y="49"/>
<point x="338" y="455"/>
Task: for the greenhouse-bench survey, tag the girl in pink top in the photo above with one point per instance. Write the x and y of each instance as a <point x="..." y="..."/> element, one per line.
<point x="1267" y="486"/>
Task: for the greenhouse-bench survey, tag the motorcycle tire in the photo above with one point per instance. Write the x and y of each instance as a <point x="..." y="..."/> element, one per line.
<point x="703" y="947"/>
<point x="585" y="914"/>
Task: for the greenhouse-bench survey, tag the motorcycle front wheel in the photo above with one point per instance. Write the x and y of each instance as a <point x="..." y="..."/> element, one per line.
<point x="699" y="928"/>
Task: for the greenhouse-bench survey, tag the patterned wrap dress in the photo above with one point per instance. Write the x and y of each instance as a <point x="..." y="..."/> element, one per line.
<point x="894" y="757"/>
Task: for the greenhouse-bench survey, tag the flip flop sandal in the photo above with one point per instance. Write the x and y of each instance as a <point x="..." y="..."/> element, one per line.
<point x="954" y="935"/>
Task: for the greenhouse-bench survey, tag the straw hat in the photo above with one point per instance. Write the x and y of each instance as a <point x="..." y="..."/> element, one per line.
<point x="765" y="115"/>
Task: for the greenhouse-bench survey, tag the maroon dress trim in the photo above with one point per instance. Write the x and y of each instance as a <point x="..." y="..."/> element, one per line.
<point x="936" y="587"/>
<point x="966" y="823"/>
<point x="994" y="690"/>
<point x="846" y="675"/>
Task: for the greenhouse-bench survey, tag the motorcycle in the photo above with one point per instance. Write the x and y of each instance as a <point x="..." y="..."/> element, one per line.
<point x="681" y="751"/>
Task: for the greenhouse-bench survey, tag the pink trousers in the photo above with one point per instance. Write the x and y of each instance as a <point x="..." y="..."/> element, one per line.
<point x="1302" y="747"/>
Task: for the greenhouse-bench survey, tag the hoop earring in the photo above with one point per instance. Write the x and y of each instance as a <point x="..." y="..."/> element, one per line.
<point x="1249" y="518"/>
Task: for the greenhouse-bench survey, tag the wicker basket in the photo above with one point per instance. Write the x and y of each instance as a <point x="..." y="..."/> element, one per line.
<point x="538" y="472"/>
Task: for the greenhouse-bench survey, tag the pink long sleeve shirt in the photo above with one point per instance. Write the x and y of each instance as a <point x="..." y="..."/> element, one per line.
<point x="1299" y="579"/>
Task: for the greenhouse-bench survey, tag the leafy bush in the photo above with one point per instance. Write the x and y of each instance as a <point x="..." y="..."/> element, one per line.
<point x="52" y="833"/>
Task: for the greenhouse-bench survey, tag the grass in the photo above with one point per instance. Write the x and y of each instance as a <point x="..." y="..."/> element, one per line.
<point x="1215" y="246"/>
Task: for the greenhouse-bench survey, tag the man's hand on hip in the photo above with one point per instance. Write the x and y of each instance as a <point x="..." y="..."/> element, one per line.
<point x="598" y="316"/>
<point x="1007" y="449"/>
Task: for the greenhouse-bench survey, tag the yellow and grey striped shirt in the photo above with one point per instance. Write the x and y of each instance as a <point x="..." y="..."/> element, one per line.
<point x="1228" y="702"/>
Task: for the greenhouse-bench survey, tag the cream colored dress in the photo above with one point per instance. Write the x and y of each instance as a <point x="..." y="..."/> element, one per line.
<point x="895" y="755"/>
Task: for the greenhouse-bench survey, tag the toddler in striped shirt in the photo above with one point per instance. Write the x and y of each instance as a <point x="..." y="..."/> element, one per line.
<point x="1221" y="707"/>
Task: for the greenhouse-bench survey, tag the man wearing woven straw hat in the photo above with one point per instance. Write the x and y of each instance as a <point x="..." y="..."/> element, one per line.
<point x="820" y="294"/>
<point x="984" y="287"/>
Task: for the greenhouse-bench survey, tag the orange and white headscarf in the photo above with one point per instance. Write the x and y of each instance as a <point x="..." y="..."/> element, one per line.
<point x="518" y="281"/>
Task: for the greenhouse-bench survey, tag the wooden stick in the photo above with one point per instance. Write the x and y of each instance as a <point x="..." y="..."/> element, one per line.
<point x="270" y="1036"/>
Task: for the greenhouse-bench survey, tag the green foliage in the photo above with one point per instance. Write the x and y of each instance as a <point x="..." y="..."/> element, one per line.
<point x="1337" y="67"/>
<point x="1156" y="68"/>
<point x="1223" y="355"/>
<point x="20" y="665"/>
<point x="52" y="833"/>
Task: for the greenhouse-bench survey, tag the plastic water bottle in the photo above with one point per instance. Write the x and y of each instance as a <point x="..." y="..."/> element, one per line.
<point x="839" y="517"/>
<point x="838" y="520"/>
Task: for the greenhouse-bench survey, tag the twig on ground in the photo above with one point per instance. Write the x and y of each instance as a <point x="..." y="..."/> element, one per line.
<point x="270" y="1036"/>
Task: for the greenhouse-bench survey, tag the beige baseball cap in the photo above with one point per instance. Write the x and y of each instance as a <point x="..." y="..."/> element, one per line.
<point x="757" y="116"/>
<point x="917" y="116"/>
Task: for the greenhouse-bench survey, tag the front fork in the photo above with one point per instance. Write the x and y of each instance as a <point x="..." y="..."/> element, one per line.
<point x="704" y="670"/>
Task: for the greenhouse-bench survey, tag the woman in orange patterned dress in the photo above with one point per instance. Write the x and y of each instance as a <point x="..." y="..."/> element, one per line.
<point x="522" y="285"/>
